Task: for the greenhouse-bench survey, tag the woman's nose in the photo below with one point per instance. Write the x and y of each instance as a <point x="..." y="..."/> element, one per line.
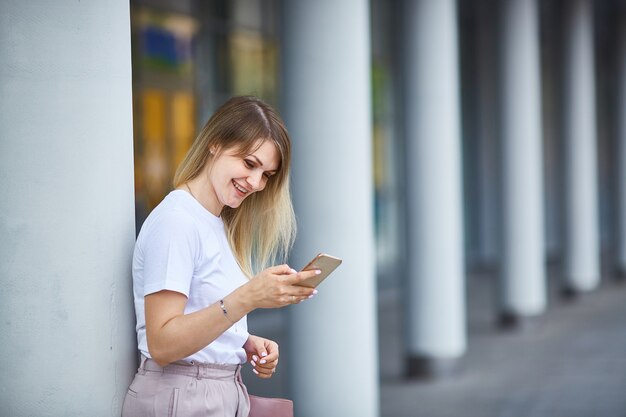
<point x="255" y="180"/>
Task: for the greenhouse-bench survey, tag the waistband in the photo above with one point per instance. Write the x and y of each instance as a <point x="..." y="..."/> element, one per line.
<point x="193" y="369"/>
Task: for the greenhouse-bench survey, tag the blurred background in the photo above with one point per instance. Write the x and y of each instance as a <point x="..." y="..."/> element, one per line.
<point x="189" y="57"/>
<point x="465" y="158"/>
<point x="530" y="158"/>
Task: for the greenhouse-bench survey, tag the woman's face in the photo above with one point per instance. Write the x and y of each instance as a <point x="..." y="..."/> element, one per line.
<point x="233" y="178"/>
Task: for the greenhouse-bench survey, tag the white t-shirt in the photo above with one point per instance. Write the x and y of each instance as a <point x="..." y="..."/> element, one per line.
<point x="183" y="247"/>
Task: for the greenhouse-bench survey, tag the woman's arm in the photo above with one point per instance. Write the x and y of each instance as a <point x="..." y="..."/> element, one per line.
<point x="173" y="335"/>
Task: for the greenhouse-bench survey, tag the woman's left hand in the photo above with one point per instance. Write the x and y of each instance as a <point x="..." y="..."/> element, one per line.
<point x="262" y="355"/>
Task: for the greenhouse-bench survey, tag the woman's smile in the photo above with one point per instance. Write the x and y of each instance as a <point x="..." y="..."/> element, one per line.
<point x="241" y="190"/>
<point x="234" y="177"/>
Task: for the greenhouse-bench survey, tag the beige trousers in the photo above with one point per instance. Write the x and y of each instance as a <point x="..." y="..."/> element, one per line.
<point x="185" y="389"/>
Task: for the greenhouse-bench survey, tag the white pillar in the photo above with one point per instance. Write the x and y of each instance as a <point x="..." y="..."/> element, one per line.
<point x="582" y="249"/>
<point x="523" y="281"/>
<point x="327" y="106"/>
<point x="621" y="143"/>
<point x="67" y="209"/>
<point x="435" y="308"/>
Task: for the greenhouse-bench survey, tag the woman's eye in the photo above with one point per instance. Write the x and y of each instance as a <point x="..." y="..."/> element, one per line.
<point x="267" y="175"/>
<point x="248" y="163"/>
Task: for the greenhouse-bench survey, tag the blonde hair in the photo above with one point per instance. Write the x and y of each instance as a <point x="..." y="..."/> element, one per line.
<point x="262" y="229"/>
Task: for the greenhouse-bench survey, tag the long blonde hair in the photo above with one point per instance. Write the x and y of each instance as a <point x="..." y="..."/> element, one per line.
<point x="262" y="229"/>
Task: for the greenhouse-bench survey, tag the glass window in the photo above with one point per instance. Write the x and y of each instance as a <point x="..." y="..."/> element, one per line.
<point x="188" y="58"/>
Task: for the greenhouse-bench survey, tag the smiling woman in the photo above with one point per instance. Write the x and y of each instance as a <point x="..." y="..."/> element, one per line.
<point x="195" y="261"/>
<point x="232" y="148"/>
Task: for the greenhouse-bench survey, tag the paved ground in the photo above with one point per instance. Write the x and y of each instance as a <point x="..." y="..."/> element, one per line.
<point x="571" y="363"/>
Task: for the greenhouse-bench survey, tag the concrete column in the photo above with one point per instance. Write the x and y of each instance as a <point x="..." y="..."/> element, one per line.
<point x="435" y="308"/>
<point x="327" y="105"/>
<point x="67" y="211"/>
<point x="523" y="281"/>
<point x="621" y="143"/>
<point x="582" y="250"/>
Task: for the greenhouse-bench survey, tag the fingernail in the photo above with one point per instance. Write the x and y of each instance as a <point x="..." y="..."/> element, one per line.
<point x="293" y="271"/>
<point x="264" y="354"/>
<point x="314" y="292"/>
<point x="312" y="295"/>
<point x="317" y="272"/>
<point x="255" y="358"/>
<point x="255" y="371"/>
<point x="253" y="363"/>
<point x="263" y="361"/>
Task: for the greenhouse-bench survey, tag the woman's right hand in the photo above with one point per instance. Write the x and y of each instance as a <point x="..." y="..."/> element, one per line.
<point x="173" y="335"/>
<point x="277" y="286"/>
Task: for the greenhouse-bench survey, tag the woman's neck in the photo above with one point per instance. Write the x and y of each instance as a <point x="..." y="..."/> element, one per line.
<point x="202" y="191"/>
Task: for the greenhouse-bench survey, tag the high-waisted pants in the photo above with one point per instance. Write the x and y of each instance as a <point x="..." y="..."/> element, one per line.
<point x="184" y="389"/>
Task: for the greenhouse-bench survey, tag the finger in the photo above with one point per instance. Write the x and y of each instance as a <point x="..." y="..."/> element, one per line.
<point x="268" y="358"/>
<point x="255" y="359"/>
<point x="269" y="353"/>
<point x="281" y="269"/>
<point x="303" y="298"/>
<point x="295" y="299"/>
<point x="261" y="355"/>
<point x="302" y="292"/>
<point x="272" y="348"/>
<point x="298" y="277"/>
<point x="264" y="372"/>
<point x="288" y="299"/>
<point x="263" y="375"/>
<point x="298" y="294"/>
<point x="267" y="369"/>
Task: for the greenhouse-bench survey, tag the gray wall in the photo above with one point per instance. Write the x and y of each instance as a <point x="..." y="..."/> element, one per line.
<point x="67" y="208"/>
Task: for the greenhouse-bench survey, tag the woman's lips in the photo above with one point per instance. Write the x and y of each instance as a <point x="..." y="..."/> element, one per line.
<point x="241" y="190"/>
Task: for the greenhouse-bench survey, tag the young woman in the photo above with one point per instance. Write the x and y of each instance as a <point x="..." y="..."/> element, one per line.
<point x="194" y="267"/>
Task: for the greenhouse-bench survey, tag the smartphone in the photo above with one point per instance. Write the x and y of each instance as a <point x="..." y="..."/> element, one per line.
<point x="323" y="262"/>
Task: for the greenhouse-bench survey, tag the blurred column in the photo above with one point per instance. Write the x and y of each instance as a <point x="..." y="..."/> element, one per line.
<point x="523" y="280"/>
<point x="206" y="54"/>
<point x="327" y="107"/>
<point x="67" y="209"/>
<point x="435" y="308"/>
<point x="621" y="159"/>
<point x="582" y="251"/>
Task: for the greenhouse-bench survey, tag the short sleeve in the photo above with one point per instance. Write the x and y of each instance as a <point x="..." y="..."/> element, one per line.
<point x="169" y="252"/>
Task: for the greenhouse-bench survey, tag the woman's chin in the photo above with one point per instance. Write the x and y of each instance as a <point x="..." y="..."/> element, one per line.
<point x="234" y="201"/>
<point x="234" y="204"/>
